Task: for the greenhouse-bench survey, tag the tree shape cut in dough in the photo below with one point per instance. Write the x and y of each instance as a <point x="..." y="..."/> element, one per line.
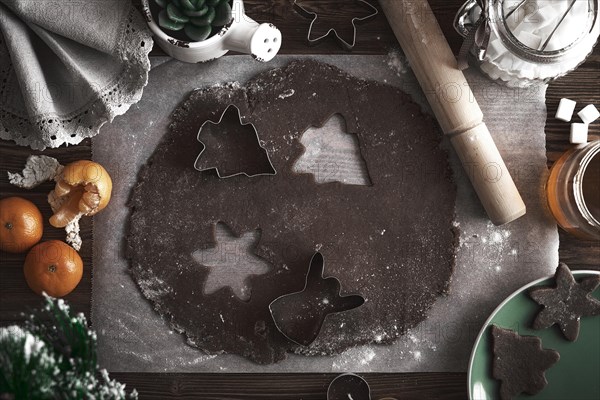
<point x="332" y="155"/>
<point x="231" y="252"/>
<point x="300" y="316"/>
<point x="520" y="362"/>
<point x="232" y="147"/>
<point x="566" y="303"/>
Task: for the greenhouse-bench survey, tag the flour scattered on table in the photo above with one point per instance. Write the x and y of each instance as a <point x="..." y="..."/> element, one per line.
<point x="153" y="287"/>
<point x="287" y="93"/>
<point x="352" y="357"/>
<point x="491" y="248"/>
<point x="397" y="62"/>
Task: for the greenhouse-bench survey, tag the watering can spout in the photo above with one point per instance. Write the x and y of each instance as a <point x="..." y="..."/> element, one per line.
<point x="247" y="36"/>
<point x="262" y="41"/>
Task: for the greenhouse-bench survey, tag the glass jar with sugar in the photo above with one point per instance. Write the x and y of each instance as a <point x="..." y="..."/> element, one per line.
<point x="524" y="42"/>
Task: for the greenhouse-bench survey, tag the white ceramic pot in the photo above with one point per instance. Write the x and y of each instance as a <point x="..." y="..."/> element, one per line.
<point x="242" y="34"/>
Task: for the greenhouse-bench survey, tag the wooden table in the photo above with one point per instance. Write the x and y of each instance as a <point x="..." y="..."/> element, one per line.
<point x="374" y="37"/>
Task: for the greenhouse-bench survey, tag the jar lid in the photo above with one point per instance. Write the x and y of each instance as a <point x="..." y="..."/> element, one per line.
<point x="547" y="27"/>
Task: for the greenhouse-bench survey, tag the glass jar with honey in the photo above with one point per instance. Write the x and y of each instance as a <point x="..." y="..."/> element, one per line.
<point x="573" y="191"/>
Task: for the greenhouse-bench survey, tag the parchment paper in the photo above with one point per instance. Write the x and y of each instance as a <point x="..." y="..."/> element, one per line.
<point x="492" y="262"/>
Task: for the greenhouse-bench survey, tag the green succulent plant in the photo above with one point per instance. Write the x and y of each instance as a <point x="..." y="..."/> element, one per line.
<point x="197" y="18"/>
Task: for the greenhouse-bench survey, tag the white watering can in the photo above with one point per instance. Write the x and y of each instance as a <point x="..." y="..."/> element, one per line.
<point x="241" y="34"/>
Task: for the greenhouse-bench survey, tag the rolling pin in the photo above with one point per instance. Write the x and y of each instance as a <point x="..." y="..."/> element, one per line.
<point x="454" y="106"/>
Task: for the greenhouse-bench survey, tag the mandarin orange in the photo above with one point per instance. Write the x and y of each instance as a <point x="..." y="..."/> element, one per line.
<point x="53" y="267"/>
<point x="21" y="224"/>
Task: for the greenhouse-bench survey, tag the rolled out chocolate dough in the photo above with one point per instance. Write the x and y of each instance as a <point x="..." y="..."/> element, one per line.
<point x="392" y="242"/>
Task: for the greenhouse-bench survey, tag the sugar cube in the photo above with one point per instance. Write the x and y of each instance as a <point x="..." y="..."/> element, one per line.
<point x="579" y="133"/>
<point x="516" y="15"/>
<point x="565" y="109"/>
<point x="495" y="49"/>
<point x="589" y="114"/>
<point x="544" y="16"/>
<point x="529" y="39"/>
<point x="509" y="5"/>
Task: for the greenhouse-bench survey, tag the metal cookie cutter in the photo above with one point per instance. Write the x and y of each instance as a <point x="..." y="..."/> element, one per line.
<point x="348" y="386"/>
<point x="227" y="144"/>
<point x="347" y="46"/>
<point x="299" y="316"/>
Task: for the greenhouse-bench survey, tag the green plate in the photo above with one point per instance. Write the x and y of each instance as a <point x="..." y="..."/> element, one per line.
<point x="576" y="376"/>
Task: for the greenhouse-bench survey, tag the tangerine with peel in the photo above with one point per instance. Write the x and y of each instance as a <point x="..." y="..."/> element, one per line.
<point x="21" y="224"/>
<point x="53" y="267"/>
<point x="83" y="188"/>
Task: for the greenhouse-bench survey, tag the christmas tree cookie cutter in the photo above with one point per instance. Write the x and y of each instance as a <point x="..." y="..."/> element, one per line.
<point x="302" y="10"/>
<point x="226" y="148"/>
<point x="299" y="316"/>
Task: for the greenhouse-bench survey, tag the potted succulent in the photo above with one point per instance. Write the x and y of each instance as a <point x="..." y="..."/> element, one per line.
<point x="197" y="18"/>
<point x="202" y="30"/>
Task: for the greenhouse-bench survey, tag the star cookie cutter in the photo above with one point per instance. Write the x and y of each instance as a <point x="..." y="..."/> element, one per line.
<point x="300" y="316"/>
<point x="347" y="46"/>
<point x="348" y="386"/>
<point x="206" y="129"/>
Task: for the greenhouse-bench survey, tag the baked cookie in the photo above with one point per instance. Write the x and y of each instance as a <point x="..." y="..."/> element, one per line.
<point x="520" y="362"/>
<point x="566" y="303"/>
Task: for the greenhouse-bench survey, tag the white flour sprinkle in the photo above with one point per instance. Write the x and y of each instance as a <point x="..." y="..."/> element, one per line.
<point x="154" y="287"/>
<point x="352" y="357"/>
<point x="287" y="93"/>
<point x="496" y="237"/>
<point x="397" y="62"/>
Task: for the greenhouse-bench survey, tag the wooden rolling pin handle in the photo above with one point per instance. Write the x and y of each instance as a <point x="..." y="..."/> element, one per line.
<point x="454" y="106"/>
<point x="484" y="165"/>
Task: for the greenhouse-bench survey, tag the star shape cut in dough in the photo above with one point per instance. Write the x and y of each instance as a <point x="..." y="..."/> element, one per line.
<point x="566" y="303"/>
<point x="232" y="262"/>
<point x="520" y="362"/>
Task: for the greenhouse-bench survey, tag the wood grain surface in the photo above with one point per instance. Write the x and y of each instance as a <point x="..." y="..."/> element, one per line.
<point x="429" y="386"/>
<point x="15" y="296"/>
<point x="374" y="37"/>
